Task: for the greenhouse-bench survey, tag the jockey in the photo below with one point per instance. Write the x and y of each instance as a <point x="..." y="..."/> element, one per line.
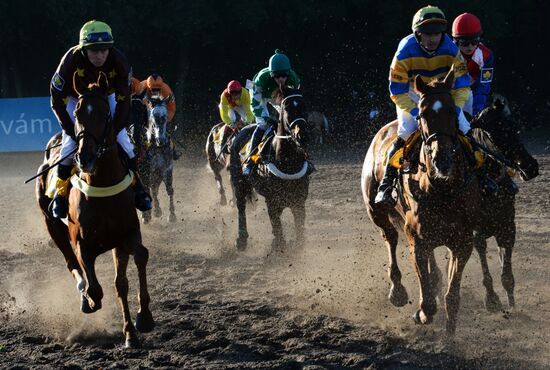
<point x="430" y="53"/>
<point x="234" y="100"/>
<point x="279" y="73"/>
<point x="94" y="54"/>
<point x="466" y="32"/>
<point x="154" y="86"/>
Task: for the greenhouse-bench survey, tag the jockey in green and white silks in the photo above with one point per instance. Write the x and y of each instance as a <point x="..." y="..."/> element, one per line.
<point x="279" y="73"/>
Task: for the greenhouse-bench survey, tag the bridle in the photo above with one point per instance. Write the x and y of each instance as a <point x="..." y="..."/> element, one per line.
<point x="289" y="126"/>
<point x="428" y="140"/>
<point x="102" y="146"/>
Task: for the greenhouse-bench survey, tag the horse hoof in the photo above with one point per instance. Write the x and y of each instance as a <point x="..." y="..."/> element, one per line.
<point x="493" y="304"/>
<point x="172" y="218"/>
<point x="132" y="343"/>
<point x="421" y="318"/>
<point x="240" y="244"/>
<point x="398" y="295"/>
<point x="158" y="213"/>
<point x="145" y="322"/>
<point x="85" y="305"/>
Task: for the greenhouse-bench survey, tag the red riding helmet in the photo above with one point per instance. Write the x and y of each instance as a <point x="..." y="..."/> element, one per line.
<point x="466" y="25"/>
<point x="234" y="87"/>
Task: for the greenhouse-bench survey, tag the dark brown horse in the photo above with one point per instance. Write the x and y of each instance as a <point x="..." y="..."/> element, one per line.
<point x="437" y="204"/>
<point x="282" y="177"/>
<point x="497" y="132"/>
<point x="104" y="219"/>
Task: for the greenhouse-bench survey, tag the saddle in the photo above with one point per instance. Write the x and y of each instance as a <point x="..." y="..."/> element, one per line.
<point x="410" y="152"/>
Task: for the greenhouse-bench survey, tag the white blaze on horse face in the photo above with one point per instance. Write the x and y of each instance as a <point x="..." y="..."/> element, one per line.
<point x="89" y="108"/>
<point x="437" y="106"/>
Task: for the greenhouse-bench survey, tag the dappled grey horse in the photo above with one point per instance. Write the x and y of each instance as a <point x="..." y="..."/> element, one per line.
<point x="158" y="162"/>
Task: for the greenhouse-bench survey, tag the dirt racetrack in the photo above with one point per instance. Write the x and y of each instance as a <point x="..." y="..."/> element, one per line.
<point x="321" y="307"/>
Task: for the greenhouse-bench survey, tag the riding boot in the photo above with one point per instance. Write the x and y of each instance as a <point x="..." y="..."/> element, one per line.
<point x="255" y="141"/>
<point x="60" y="206"/>
<point x="384" y="195"/>
<point x="488" y="185"/>
<point x="142" y="198"/>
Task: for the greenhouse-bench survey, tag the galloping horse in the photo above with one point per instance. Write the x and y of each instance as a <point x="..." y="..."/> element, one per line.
<point x="102" y="215"/>
<point x="158" y="166"/>
<point x="494" y="130"/>
<point x="218" y="157"/>
<point x="283" y="177"/>
<point x="437" y="204"/>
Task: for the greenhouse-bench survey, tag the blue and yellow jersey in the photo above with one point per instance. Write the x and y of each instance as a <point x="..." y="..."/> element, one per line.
<point x="411" y="60"/>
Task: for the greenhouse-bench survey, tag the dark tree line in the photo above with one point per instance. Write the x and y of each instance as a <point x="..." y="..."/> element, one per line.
<point x="341" y="49"/>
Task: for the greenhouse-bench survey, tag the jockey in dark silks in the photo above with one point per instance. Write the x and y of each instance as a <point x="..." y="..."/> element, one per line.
<point x="94" y="54"/>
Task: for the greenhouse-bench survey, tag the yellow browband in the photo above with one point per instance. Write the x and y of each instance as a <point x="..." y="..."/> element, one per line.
<point x="101" y="192"/>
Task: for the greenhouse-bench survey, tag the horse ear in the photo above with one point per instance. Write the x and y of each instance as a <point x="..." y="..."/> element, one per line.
<point x="449" y="79"/>
<point x="103" y="82"/>
<point x="79" y="85"/>
<point x="419" y="84"/>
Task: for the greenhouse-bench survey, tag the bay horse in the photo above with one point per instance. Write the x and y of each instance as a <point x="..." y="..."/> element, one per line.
<point x="282" y="177"/>
<point x="102" y="215"/>
<point x="218" y="157"/>
<point x="158" y="165"/>
<point x="496" y="131"/>
<point x="437" y="202"/>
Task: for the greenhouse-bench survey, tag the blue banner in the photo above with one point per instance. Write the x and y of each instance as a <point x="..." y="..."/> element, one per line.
<point x="26" y="124"/>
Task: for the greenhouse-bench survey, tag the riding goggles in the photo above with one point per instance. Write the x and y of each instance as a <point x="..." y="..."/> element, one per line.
<point x="279" y="74"/>
<point x="466" y="42"/>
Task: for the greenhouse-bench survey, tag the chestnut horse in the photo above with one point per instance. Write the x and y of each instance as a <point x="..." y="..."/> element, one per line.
<point x="102" y="215"/>
<point x="282" y="177"/>
<point x="437" y="205"/>
<point x="497" y="132"/>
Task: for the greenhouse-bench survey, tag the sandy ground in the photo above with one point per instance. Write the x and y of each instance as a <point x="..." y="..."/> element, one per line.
<point x="321" y="307"/>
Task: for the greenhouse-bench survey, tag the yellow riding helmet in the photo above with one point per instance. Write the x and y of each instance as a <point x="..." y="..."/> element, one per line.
<point x="429" y="19"/>
<point x="96" y="35"/>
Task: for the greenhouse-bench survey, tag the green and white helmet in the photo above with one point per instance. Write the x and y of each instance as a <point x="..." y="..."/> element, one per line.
<point x="279" y="62"/>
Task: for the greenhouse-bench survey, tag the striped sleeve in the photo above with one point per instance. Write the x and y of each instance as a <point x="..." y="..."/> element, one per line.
<point x="246" y="105"/>
<point x="461" y="89"/>
<point x="399" y="85"/>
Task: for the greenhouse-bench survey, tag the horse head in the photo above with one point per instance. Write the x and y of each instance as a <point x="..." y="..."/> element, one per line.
<point x="503" y="133"/>
<point x="293" y="122"/>
<point x="439" y="128"/>
<point x="94" y="131"/>
<point x="158" y="122"/>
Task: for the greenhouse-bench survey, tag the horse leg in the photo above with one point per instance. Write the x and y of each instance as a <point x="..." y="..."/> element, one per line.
<point x="155" y="195"/>
<point x="120" y="258"/>
<point x="505" y="242"/>
<point x="492" y="302"/>
<point x="92" y="296"/>
<point x="435" y="277"/>
<point x="299" y="213"/>
<point x="459" y="256"/>
<point x="420" y="259"/>
<point x="274" y="211"/>
<point x="144" y="319"/>
<point x="219" y="184"/>
<point x="170" y="191"/>
<point x="398" y="294"/>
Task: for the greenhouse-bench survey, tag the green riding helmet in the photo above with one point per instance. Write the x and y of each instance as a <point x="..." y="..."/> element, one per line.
<point x="429" y="19"/>
<point x="96" y="35"/>
<point x="279" y="62"/>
